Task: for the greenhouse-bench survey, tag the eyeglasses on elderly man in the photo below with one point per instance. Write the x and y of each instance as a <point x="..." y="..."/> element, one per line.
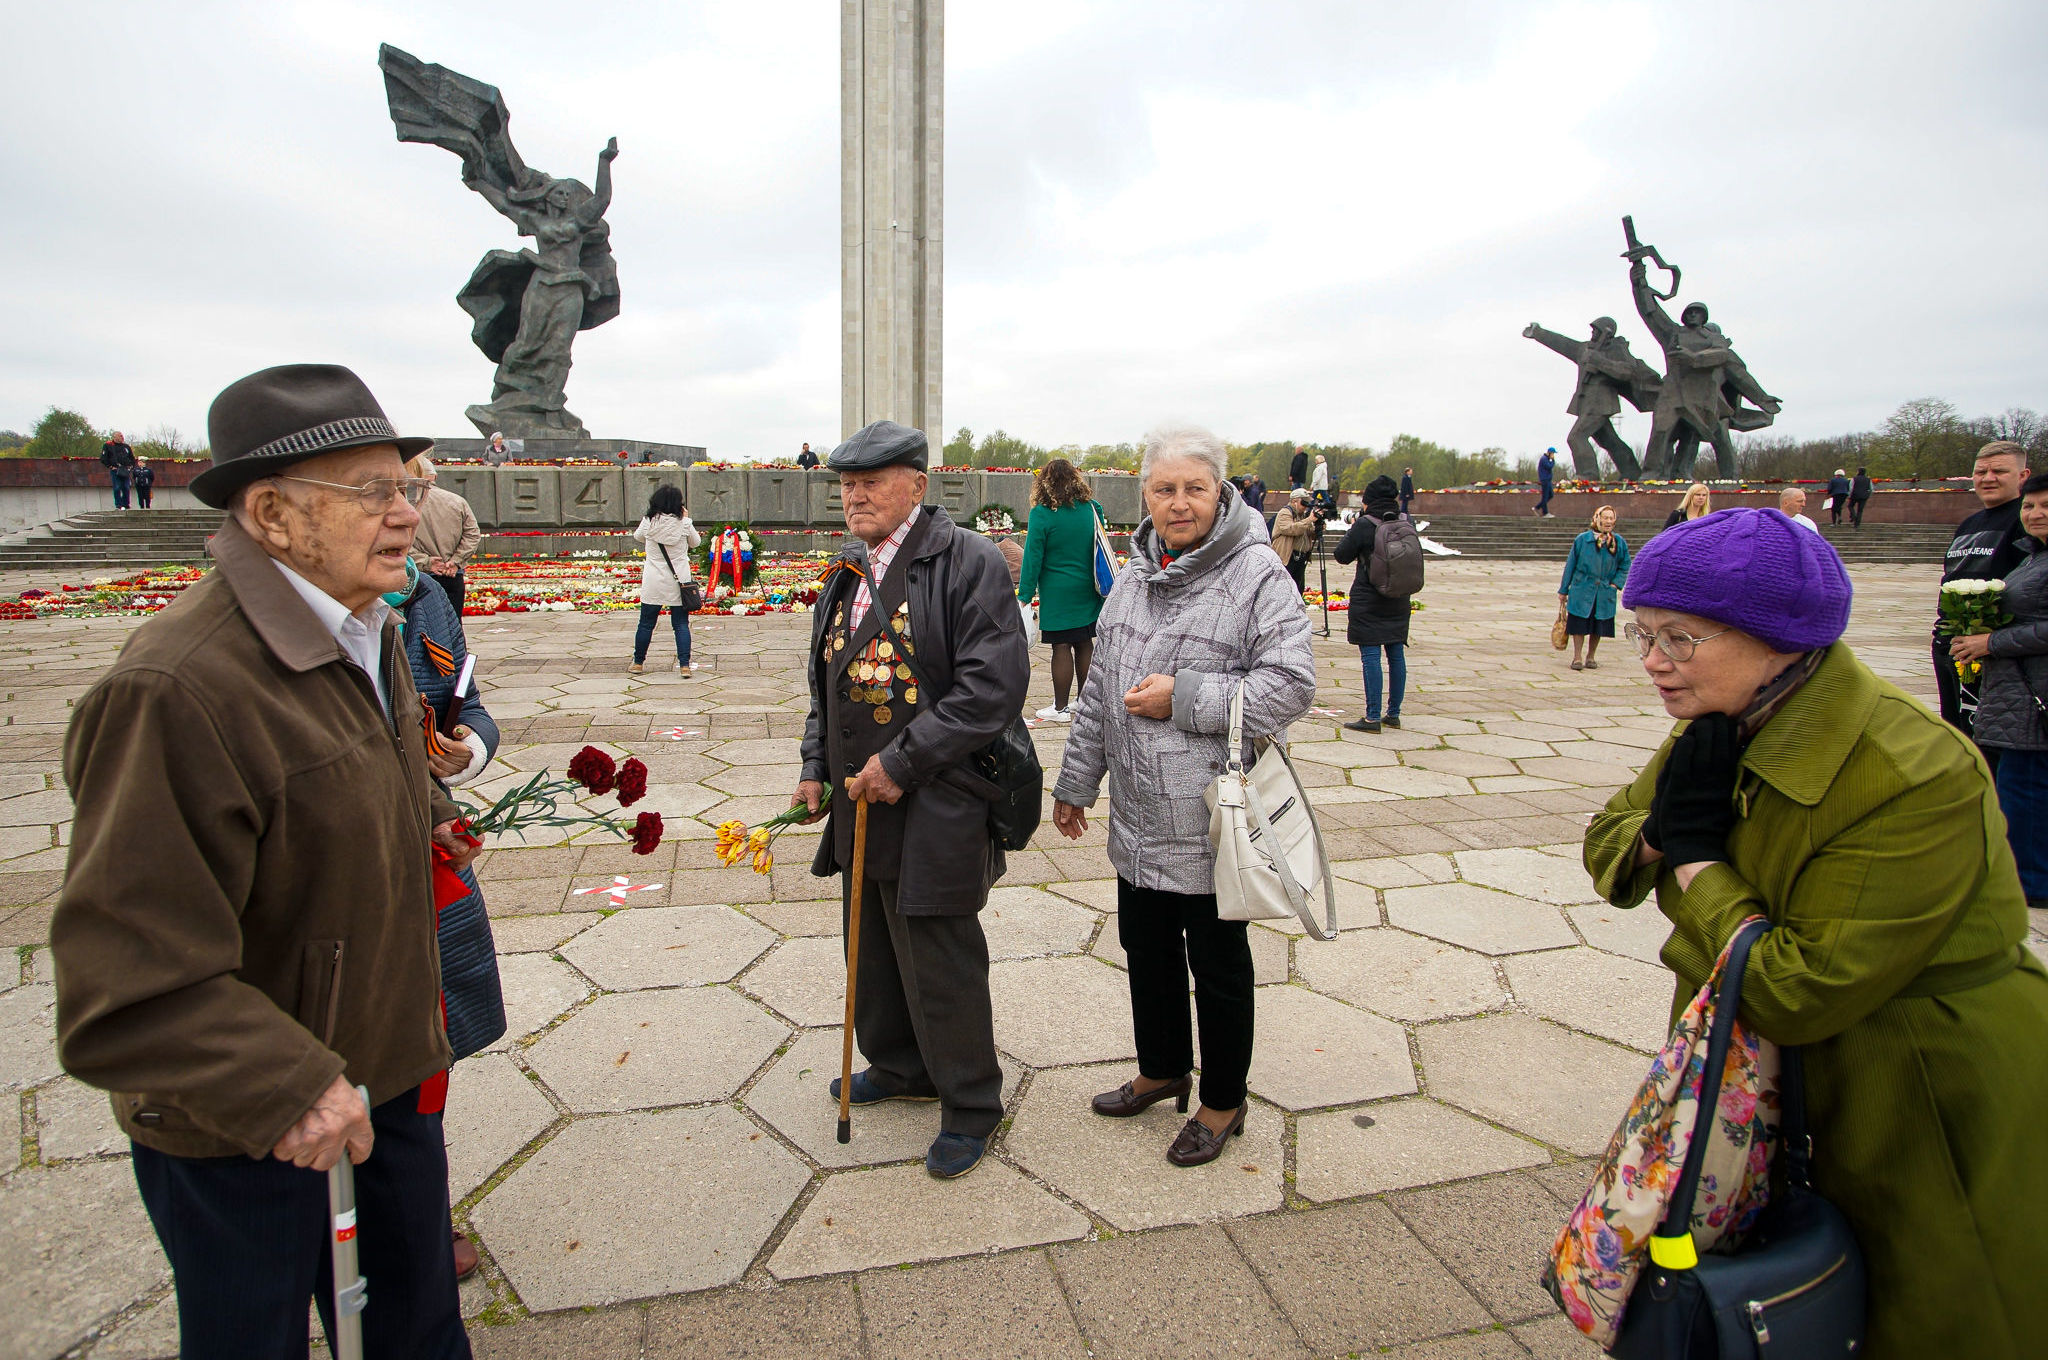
<point x="375" y="495"/>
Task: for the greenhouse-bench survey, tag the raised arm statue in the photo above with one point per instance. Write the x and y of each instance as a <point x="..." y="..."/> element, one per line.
<point x="1608" y="375"/>
<point x="526" y="306"/>
<point x="1705" y="383"/>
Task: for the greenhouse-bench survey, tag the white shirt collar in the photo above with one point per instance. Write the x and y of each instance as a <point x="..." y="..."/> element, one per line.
<point x="360" y="635"/>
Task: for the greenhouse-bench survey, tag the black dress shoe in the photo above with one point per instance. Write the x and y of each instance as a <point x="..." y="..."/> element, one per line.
<point x="1362" y="725"/>
<point x="1125" y="1101"/>
<point x="1197" y="1144"/>
<point x="1391" y="721"/>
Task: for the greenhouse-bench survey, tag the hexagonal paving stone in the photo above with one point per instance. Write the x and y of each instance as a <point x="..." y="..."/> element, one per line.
<point x="756" y="751"/>
<point x="892" y="1215"/>
<point x="637" y="1050"/>
<point x="1309" y="1051"/>
<point x="1604" y="994"/>
<point x="1061" y="1011"/>
<point x="795" y="1096"/>
<point x="757" y="781"/>
<point x="1637" y="932"/>
<point x="1402" y="975"/>
<point x="1407" y="1142"/>
<point x="28" y="1036"/>
<point x="1023" y="923"/>
<point x="1530" y="873"/>
<point x="1117" y="1168"/>
<point x="1412" y="783"/>
<point x="537" y="989"/>
<point x="1099" y="893"/>
<point x="1533" y="1076"/>
<point x="668" y="947"/>
<point x="76" y="1120"/>
<point x="1466" y="763"/>
<point x="75" y="1245"/>
<point x="1490" y="922"/>
<point x="494" y="1110"/>
<point x="637" y="1205"/>
<point x="804" y="979"/>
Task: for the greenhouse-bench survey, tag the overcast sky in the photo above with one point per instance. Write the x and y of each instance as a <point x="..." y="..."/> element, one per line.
<point x="1319" y="221"/>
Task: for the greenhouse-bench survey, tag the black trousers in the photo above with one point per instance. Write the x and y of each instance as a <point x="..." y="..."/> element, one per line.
<point x="1166" y="935"/>
<point x="248" y="1243"/>
<point x="921" y="1008"/>
<point x="1297" y="567"/>
<point x="1856" y="512"/>
<point x="454" y="585"/>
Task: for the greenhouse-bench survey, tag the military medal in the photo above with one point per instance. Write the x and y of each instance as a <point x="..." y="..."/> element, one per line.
<point x="910" y="695"/>
<point x="886" y="651"/>
<point x="882" y="714"/>
<point x="902" y="671"/>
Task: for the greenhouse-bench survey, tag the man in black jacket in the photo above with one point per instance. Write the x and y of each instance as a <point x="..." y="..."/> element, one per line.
<point x="1297" y="470"/>
<point x="119" y="461"/>
<point x="918" y="659"/>
<point x="1986" y="546"/>
<point x="807" y="460"/>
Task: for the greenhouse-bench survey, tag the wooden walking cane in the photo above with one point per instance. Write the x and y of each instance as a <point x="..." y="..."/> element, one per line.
<point x="860" y="865"/>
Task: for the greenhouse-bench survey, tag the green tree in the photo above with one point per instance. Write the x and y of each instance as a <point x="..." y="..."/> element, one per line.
<point x="959" y="451"/>
<point x="1121" y="457"/>
<point x="63" y="434"/>
<point x="1923" y="438"/>
<point x="11" y="439"/>
<point x="164" y="441"/>
<point x="1005" y="450"/>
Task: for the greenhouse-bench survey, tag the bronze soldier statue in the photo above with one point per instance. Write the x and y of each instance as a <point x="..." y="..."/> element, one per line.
<point x="1705" y="383"/>
<point x="1608" y="374"/>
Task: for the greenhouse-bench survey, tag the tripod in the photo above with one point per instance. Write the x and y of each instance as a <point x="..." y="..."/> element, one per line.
<point x="1322" y="551"/>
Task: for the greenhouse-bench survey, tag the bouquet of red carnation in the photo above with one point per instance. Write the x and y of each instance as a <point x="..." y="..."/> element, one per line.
<point x="538" y="801"/>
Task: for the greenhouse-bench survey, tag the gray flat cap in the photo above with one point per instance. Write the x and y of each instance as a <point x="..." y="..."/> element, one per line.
<point x="882" y="444"/>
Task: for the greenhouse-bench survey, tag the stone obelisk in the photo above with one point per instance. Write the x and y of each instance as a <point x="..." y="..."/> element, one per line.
<point x="892" y="88"/>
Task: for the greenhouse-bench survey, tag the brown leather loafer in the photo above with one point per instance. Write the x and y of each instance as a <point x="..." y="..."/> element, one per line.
<point x="1197" y="1145"/>
<point x="1124" y="1101"/>
<point x="465" y="1256"/>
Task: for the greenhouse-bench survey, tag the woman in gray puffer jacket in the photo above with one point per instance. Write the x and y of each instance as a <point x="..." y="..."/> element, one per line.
<point x="1202" y="604"/>
<point x="2010" y="725"/>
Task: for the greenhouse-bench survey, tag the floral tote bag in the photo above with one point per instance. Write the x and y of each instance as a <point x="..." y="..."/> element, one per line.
<point x="1606" y="1241"/>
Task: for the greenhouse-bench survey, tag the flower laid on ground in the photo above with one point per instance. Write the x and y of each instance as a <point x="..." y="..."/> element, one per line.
<point x="994" y="519"/>
<point x="538" y="802"/>
<point x="1971" y="607"/>
<point x="736" y="841"/>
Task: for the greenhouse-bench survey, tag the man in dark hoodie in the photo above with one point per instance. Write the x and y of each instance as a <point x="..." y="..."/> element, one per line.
<point x="1378" y="620"/>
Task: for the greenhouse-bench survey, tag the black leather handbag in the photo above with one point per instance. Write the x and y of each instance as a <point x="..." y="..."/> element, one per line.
<point x="1795" y="1288"/>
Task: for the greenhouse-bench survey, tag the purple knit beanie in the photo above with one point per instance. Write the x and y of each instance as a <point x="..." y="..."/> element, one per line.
<point x="1751" y="569"/>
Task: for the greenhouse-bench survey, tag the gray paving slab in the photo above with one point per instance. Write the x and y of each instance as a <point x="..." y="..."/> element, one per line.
<point x="1354" y="1278"/>
<point x="540" y="934"/>
<point x="610" y="1334"/>
<point x="638" y="1205"/>
<point x="1166" y="1295"/>
<point x="151" y="1335"/>
<point x="1637" y="932"/>
<point x="1555" y="1339"/>
<point x="1023" y="922"/>
<point x="1528" y="873"/>
<point x="1616" y="998"/>
<point x="803" y="980"/>
<point x="75" y="1249"/>
<point x="493" y="1111"/>
<point x="1061" y="1011"/>
<point x="10" y="1132"/>
<point x="1478" y="918"/>
<point x="645" y="946"/>
<point x="1534" y="1077"/>
<point x="1117" y="1168"/>
<point x="641" y="1050"/>
<point x="1407" y="1143"/>
<point x="28" y="1037"/>
<point x="1310" y="1051"/>
<point x="75" y="1120"/>
<point x="888" y="1215"/>
<point x="1006" y="1308"/>
<point x="806" y="1320"/>
<point x="1501" y="1265"/>
<point x="1408" y="977"/>
<point x="537" y="989"/>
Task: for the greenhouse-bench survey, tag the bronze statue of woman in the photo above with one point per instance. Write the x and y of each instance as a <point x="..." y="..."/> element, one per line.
<point x="527" y="305"/>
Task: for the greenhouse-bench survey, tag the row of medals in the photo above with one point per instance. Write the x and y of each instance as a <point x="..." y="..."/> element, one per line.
<point x="877" y="671"/>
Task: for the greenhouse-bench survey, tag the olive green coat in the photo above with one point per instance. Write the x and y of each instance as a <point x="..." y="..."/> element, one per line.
<point x="1896" y="960"/>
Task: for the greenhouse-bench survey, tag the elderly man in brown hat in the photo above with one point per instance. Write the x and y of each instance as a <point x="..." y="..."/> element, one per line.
<point x="918" y="659"/>
<point x="246" y="931"/>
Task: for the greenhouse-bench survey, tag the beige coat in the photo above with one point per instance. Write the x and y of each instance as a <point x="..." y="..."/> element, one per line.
<point x="448" y="528"/>
<point x="1291" y="533"/>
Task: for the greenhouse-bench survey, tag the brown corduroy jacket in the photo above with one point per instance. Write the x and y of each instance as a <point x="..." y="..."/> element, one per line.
<point x="248" y="910"/>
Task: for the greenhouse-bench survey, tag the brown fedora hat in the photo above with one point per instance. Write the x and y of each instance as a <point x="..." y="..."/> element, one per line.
<point x="267" y="421"/>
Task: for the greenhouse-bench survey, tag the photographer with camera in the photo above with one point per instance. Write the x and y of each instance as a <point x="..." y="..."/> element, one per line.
<point x="1292" y="531"/>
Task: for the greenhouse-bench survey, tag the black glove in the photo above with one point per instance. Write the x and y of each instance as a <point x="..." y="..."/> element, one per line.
<point x="1695" y="807"/>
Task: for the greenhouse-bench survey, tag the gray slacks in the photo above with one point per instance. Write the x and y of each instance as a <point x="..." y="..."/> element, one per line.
<point x="921" y="1008"/>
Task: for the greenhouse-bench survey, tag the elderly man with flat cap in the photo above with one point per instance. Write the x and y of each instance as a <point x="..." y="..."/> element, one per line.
<point x="246" y="931"/>
<point x="918" y="659"/>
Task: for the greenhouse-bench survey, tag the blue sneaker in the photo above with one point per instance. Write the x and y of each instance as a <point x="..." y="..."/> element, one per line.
<point x="954" y="1154"/>
<point x="866" y="1092"/>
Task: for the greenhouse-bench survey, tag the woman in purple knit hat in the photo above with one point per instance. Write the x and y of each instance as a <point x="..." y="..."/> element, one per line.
<point x="1894" y="959"/>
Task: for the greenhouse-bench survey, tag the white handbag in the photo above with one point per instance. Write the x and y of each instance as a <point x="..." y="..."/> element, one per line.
<point x="1248" y="817"/>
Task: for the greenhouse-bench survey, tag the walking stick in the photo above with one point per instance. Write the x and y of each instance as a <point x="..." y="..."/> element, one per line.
<point x="351" y="1290"/>
<point x="860" y="864"/>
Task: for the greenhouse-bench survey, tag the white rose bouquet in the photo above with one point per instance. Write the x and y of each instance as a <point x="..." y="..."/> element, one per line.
<point x="1969" y="607"/>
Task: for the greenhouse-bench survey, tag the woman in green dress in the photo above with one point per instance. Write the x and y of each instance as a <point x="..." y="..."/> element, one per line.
<point x="1059" y="569"/>
<point x="1895" y="956"/>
